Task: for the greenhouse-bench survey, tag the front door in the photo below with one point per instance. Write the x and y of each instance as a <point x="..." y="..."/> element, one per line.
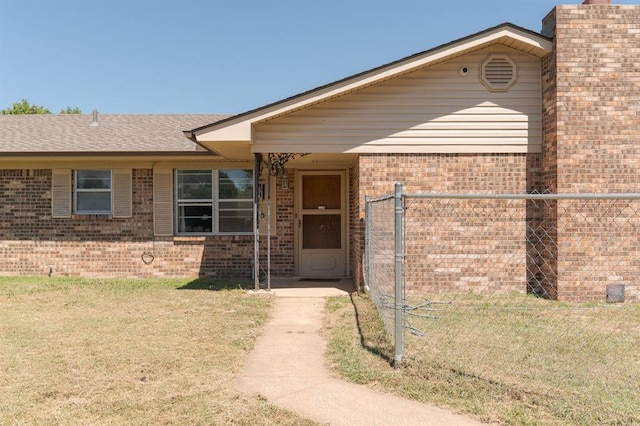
<point x="321" y="224"/>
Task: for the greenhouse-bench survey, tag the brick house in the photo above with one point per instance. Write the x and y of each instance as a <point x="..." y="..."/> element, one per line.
<point x="506" y="110"/>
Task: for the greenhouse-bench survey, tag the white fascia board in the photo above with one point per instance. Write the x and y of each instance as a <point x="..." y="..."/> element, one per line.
<point x="543" y="46"/>
<point x="236" y="132"/>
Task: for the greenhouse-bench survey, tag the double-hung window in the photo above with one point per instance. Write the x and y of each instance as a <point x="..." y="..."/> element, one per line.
<point x="195" y="201"/>
<point x="214" y="201"/>
<point x="93" y="192"/>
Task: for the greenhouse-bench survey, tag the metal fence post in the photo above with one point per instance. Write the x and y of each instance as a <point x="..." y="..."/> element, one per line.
<point x="367" y="249"/>
<point x="399" y="299"/>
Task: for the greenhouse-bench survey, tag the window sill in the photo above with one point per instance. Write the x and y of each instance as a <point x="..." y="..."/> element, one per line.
<point x="191" y="238"/>
<point x="92" y="215"/>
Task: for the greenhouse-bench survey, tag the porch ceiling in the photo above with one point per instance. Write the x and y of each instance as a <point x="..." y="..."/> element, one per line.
<point x="242" y="151"/>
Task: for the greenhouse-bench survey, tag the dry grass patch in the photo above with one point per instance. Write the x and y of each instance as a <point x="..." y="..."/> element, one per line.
<point x="80" y="351"/>
<point x="554" y="364"/>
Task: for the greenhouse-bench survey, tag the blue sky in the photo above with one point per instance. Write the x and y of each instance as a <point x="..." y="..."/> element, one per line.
<point x="213" y="56"/>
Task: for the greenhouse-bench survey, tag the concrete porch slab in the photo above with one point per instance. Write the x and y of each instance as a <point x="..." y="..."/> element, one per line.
<point x="295" y="287"/>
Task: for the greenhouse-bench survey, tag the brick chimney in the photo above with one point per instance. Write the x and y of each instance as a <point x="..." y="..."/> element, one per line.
<point x="591" y="94"/>
<point x="591" y="123"/>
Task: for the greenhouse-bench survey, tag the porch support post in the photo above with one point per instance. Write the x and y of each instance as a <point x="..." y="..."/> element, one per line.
<point x="269" y="226"/>
<point x="256" y="221"/>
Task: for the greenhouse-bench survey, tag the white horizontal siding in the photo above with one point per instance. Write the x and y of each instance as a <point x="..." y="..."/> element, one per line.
<point x="426" y="111"/>
<point x="338" y="136"/>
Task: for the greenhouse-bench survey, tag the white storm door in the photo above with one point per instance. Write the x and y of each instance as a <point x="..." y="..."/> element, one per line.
<point x="322" y="224"/>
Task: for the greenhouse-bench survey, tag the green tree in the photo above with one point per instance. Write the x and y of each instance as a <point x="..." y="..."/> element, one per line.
<point x="25" y="108"/>
<point x="70" y="110"/>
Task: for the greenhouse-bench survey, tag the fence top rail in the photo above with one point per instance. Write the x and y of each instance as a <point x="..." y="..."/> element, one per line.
<point x="611" y="196"/>
<point x="381" y="198"/>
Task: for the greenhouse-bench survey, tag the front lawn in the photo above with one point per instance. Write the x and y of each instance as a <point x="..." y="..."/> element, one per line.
<point x="537" y="363"/>
<point x="84" y="351"/>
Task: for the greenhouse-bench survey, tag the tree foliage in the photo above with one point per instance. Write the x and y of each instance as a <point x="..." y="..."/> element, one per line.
<point x="25" y="107"/>
<point x="70" y="110"/>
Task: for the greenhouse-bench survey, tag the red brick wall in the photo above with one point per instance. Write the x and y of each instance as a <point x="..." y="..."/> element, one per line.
<point x="31" y="242"/>
<point x="356" y="225"/>
<point x="282" y="243"/>
<point x="547" y="281"/>
<point x="458" y="174"/>
<point x="592" y="126"/>
<point x="598" y="92"/>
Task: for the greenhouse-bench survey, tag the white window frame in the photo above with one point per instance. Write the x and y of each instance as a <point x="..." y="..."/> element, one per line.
<point x="77" y="190"/>
<point x="214" y="202"/>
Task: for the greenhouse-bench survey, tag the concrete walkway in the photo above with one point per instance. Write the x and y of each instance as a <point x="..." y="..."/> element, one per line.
<point x="287" y="367"/>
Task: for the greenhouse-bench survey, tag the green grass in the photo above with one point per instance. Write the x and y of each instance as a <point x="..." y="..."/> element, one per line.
<point x="84" y="351"/>
<point x="538" y="362"/>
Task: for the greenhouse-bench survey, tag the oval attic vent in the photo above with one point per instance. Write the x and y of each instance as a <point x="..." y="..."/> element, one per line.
<point x="498" y="72"/>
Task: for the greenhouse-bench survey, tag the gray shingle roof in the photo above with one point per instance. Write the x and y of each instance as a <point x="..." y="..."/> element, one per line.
<point x="46" y="134"/>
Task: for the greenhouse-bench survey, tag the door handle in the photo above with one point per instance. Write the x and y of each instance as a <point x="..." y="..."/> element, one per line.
<point x="299" y="223"/>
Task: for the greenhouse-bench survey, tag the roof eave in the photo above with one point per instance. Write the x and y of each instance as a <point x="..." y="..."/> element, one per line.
<point x="190" y="135"/>
<point x="24" y="154"/>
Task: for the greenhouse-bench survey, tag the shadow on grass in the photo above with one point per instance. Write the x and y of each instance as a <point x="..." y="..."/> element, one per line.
<point x="372" y="338"/>
<point x="213" y="285"/>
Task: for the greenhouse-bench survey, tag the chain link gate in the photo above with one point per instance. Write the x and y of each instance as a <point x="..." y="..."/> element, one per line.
<point x="383" y="263"/>
<point x="510" y="288"/>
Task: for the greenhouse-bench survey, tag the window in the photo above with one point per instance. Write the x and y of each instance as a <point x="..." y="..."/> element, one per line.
<point x="92" y="192"/>
<point x="235" y="201"/>
<point x="195" y="201"/>
<point x="214" y="201"/>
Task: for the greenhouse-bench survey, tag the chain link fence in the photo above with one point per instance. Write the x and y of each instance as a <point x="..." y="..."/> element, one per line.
<point x="380" y="251"/>
<point x="533" y="292"/>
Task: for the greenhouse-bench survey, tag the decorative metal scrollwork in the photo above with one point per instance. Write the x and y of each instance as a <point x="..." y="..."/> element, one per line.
<point x="277" y="161"/>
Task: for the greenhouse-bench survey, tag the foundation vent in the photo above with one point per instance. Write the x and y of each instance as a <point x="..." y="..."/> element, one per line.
<point x="615" y="293"/>
<point x="498" y="72"/>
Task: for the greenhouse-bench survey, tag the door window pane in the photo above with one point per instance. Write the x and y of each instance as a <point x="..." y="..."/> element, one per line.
<point x="321" y="231"/>
<point x="321" y="191"/>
